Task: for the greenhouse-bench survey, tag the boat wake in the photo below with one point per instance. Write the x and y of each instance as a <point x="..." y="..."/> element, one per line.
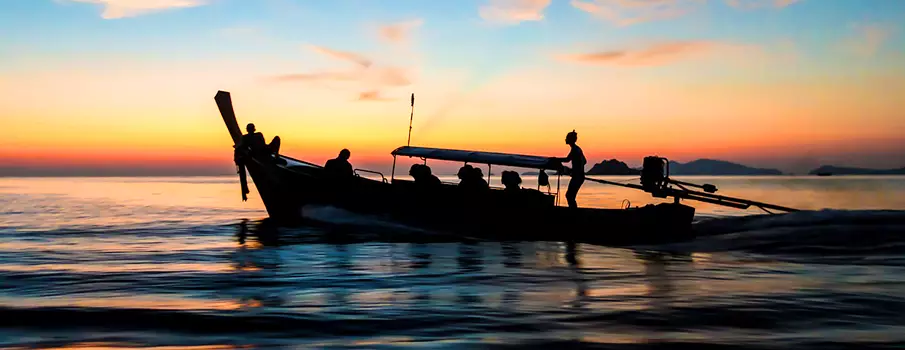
<point x="827" y="233"/>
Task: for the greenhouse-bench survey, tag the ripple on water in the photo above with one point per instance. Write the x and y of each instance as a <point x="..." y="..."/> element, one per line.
<point x="167" y="262"/>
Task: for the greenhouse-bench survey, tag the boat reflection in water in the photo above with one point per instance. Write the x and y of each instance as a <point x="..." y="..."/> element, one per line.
<point x="486" y="274"/>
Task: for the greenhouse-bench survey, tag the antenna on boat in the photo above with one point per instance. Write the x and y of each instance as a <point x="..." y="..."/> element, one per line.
<point x="411" y="117"/>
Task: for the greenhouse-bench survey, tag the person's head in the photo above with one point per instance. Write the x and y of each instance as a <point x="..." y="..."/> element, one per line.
<point x="571" y="137"/>
<point x="344" y="154"/>
<point x="465" y="172"/>
<point x="418" y="170"/>
<point x="250" y="128"/>
<point x="511" y="180"/>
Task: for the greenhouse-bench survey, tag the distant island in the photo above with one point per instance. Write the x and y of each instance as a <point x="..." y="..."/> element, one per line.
<point x="716" y="167"/>
<point x="697" y="167"/>
<point x="612" y="167"/>
<point x="834" y="170"/>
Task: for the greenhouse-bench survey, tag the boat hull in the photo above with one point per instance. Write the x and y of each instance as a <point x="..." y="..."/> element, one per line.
<point x="288" y="190"/>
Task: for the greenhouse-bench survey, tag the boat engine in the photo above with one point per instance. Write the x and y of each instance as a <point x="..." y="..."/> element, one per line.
<point x="655" y="175"/>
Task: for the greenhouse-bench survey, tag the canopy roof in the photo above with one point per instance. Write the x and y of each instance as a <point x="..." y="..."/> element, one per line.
<point x="494" y="158"/>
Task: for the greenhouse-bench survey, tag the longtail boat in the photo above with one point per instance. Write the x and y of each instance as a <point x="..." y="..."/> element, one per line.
<point x="287" y="186"/>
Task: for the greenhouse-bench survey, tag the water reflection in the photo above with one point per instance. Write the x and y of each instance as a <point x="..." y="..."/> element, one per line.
<point x="420" y="256"/>
<point x="581" y="287"/>
<point x="396" y="274"/>
<point x="469" y="258"/>
<point x="265" y="232"/>
<point x="658" y="279"/>
<point x="512" y="255"/>
<point x="252" y="289"/>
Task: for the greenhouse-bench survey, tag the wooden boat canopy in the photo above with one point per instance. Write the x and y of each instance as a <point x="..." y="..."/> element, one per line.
<point x="492" y="158"/>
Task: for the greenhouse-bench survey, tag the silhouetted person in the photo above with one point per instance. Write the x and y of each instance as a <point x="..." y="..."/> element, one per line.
<point x="465" y="175"/>
<point x="471" y="178"/>
<point x="511" y="180"/>
<point x="423" y="176"/>
<point x="576" y="157"/>
<point x="479" y="179"/>
<point x="254" y="143"/>
<point x="340" y="167"/>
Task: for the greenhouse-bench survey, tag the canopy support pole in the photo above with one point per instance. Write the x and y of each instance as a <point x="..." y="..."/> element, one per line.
<point x="393" y="172"/>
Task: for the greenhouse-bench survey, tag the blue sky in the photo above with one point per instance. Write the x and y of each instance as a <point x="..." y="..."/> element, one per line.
<point x="809" y="76"/>
<point x="453" y="29"/>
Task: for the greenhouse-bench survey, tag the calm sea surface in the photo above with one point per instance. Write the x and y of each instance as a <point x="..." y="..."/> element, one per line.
<point x="181" y="262"/>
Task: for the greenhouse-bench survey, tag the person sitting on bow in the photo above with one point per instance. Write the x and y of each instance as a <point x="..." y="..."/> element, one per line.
<point x="253" y="143"/>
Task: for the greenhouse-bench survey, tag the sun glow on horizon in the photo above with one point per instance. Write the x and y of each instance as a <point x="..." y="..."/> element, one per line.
<point x="133" y="86"/>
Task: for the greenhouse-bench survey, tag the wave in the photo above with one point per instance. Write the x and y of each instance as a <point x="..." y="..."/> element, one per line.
<point x="789" y="323"/>
<point x="823" y="232"/>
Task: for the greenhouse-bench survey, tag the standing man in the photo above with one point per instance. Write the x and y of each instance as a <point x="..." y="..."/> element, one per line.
<point x="576" y="157"/>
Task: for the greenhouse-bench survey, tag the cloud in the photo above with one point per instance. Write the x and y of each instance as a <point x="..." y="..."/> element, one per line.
<point x="658" y="54"/>
<point x="373" y="95"/>
<point x="114" y="9"/>
<point x="398" y="32"/>
<point x="629" y="12"/>
<point x="318" y="76"/>
<point x="366" y="75"/>
<point x="513" y="11"/>
<point x="753" y="4"/>
<point x="342" y="55"/>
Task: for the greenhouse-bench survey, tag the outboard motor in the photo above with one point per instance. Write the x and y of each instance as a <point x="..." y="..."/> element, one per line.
<point x="655" y="175"/>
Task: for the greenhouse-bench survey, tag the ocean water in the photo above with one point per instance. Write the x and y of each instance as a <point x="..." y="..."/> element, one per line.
<point x="183" y="262"/>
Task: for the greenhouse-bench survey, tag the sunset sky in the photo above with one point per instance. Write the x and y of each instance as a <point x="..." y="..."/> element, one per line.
<point x="129" y="84"/>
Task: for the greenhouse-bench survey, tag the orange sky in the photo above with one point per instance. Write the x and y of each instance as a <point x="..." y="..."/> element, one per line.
<point x="780" y="101"/>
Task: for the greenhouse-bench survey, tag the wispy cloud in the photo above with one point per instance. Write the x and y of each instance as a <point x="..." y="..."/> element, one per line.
<point x="753" y="4"/>
<point x="319" y="76"/>
<point x="513" y="11"/>
<point x="399" y="32"/>
<point x="114" y="9"/>
<point x="373" y="95"/>
<point x="343" y="55"/>
<point x="370" y="78"/>
<point x="366" y="74"/>
<point x="656" y="54"/>
<point x="629" y="12"/>
<point x="867" y="39"/>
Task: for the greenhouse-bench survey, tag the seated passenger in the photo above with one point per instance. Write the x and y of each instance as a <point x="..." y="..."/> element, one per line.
<point x="511" y="180"/>
<point x="465" y="175"/>
<point x="422" y="175"/>
<point x="253" y="143"/>
<point x="479" y="179"/>
<point x="340" y="167"/>
<point x="471" y="178"/>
